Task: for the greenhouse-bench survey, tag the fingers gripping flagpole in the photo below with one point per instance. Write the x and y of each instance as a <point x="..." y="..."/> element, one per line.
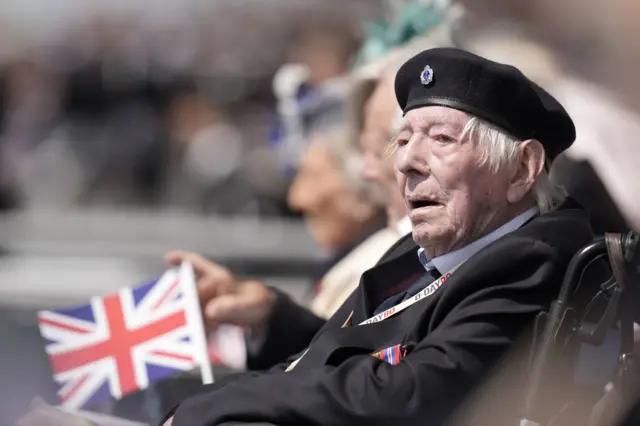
<point x="196" y="320"/>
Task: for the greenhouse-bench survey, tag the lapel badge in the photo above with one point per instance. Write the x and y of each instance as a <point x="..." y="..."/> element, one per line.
<point x="426" y="76"/>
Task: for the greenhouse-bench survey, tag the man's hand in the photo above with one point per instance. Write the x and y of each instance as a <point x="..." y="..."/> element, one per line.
<point x="224" y="298"/>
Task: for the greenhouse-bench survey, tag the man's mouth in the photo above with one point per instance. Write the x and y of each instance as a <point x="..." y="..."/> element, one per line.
<point x="417" y="204"/>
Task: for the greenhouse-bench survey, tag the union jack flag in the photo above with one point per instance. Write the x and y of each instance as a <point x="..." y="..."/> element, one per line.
<point x="122" y="342"/>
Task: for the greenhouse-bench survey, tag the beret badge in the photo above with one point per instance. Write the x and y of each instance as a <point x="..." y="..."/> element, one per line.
<point x="426" y="76"/>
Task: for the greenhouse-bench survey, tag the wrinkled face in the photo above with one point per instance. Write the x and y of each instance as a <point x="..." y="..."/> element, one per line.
<point x="452" y="198"/>
<point x="334" y="212"/>
<point x="379" y="113"/>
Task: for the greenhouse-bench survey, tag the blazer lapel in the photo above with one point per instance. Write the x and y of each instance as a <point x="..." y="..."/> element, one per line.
<point x="385" y="280"/>
<point x="395" y="272"/>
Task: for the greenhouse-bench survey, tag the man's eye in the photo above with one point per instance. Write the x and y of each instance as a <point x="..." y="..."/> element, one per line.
<point x="444" y="139"/>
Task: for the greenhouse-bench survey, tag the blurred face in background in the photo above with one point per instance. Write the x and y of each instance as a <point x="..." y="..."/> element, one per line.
<point x="334" y="211"/>
<point x="380" y="112"/>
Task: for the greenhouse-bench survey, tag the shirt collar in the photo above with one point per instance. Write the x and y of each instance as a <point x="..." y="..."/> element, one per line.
<point x="450" y="260"/>
<point x="403" y="226"/>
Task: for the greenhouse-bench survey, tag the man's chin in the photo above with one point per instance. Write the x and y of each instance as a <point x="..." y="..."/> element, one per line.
<point x="426" y="235"/>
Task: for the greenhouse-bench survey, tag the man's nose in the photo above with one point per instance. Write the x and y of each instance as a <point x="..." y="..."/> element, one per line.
<point x="413" y="158"/>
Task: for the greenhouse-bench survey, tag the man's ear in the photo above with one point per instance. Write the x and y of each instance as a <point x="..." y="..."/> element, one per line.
<point x="526" y="171"/>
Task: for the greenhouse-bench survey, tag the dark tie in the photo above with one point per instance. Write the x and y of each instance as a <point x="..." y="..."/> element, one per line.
<point x="425" y="279"/>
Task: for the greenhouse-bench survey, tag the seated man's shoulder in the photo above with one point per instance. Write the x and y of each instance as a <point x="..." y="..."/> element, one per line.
<point x="565" y="230"/>
<point x="532" y="258"/>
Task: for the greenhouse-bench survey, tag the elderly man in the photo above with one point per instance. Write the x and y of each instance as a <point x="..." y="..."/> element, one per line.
<point x="490" y="246"/>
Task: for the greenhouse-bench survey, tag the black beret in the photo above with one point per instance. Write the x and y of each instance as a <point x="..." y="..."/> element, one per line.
<point x="497" y="93"/>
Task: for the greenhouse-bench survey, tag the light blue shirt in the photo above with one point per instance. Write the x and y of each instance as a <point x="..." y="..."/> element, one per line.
<point x="450" y="260"/>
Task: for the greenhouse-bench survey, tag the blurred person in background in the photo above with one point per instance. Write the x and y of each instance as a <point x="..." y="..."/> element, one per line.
<point x="339" y="208"/>
<point x="382" y="120"/>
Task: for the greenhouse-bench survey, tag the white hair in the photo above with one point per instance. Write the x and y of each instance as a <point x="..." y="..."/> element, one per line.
<point x="500" y="149"/>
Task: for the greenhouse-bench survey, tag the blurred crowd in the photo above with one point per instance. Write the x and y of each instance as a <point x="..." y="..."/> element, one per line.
<point x="160" y="108"/>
